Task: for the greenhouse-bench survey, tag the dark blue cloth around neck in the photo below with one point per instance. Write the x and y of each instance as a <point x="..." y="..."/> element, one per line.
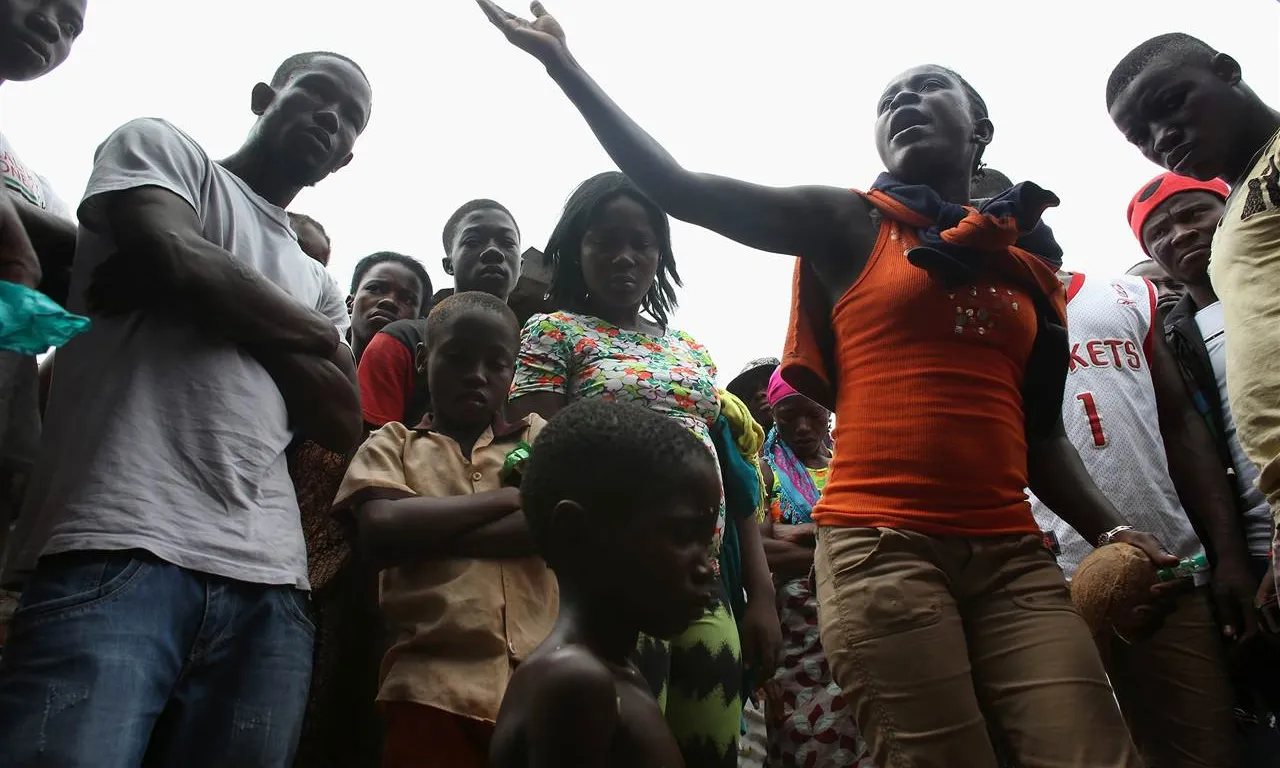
<point x="1022" y="204"/>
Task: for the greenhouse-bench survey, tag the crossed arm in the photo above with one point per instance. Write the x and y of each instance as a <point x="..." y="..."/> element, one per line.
<point x="396" y="532"/>
<point x="163" y="253"/>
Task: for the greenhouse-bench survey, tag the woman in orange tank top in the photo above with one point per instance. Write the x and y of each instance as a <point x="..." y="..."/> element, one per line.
<point x="934" y="331"/>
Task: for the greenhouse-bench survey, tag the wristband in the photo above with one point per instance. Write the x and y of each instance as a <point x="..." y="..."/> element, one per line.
<point x="1110" y="535"/>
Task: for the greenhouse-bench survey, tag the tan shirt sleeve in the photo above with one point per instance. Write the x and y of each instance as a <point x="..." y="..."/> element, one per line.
<point x="377" y="471"/>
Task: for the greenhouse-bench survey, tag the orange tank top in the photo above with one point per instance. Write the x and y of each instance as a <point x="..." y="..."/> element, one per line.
<point x="929" y="429"/>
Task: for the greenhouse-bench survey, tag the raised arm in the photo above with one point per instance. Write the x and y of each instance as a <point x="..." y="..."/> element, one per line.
<point x="161" y="245"/>
<point x="811" y="221"/>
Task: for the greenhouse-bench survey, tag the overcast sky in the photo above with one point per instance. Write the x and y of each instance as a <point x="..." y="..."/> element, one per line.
<point x="776" y="93"/>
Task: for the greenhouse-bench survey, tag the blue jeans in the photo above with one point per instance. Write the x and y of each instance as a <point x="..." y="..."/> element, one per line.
<point x="118" y="659"/>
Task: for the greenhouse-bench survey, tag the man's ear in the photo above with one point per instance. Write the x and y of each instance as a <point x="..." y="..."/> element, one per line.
<point x="261" y="97"/>
<point x="1226" y="69"/>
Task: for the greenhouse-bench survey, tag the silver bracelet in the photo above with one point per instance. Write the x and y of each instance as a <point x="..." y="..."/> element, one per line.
<point x="1110" y="535"/>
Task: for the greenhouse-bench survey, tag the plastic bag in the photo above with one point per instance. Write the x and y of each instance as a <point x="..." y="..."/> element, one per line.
<point x="31" y="322"/>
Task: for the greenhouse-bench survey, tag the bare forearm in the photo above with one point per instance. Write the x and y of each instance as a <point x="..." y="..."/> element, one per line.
<point x="162" y="252"/>
<point x="787" y="560"/>
<point x="755" y="568"/>
<point x="394" y="532"/>
<point x="230" y="298"/>
<point x="321" y="395"/>
<point x="1058" y="478"/>
<point x="54" y="240"/>
<point x="789" y="221"/>
<point x="1204" y="494"/>
<point x="18" y="261"/>
<point x="506" y="537"/>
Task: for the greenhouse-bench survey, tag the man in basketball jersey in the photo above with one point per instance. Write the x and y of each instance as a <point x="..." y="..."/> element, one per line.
<point x="1146" y="448"/>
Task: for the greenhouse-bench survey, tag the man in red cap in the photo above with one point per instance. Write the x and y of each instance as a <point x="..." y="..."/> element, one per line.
<point x="1175" y="218"/>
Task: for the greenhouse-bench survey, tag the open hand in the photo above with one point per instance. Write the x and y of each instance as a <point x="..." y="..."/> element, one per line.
<point x="1150" y="546"/>
<point x="541" y="38"/>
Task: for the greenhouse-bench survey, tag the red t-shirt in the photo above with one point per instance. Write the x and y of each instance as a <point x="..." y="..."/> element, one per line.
<point x="390" y="389"/>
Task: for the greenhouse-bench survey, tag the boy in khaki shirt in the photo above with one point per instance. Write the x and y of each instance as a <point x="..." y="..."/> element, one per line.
<point x="463" y="594"/>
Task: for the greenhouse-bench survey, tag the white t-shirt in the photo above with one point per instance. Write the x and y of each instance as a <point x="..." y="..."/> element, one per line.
<point x="33" y="187"/>
<point x="1257" y="520"/>
<point x="159" y="436"/>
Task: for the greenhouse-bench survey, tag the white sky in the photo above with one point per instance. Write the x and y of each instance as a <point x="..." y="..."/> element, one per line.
<point x="776" y="93"/>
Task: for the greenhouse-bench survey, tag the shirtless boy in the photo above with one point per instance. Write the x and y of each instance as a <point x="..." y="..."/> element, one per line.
<point x="623" y="568"/>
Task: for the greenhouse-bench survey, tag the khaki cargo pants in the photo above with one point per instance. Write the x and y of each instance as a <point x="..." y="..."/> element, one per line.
<point x="939" y="643"/>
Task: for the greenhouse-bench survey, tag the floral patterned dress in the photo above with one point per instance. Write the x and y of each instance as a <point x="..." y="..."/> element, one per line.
<point x="809" y="720"/>
<point x="580" y="356"/>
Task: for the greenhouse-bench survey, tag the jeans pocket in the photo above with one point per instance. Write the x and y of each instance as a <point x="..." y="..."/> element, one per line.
<point x="63" y="585"/>
<point x="297" y="606"/>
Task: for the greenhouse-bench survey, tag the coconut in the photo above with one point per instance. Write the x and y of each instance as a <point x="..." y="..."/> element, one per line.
<point x="1109" y="584"/>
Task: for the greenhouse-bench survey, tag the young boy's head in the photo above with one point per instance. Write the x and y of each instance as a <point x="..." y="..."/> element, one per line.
<point x="1182" y="104"/>
<point x="36" y="36"/>
<point x="312" y="238"/>
<point x="482" y="248"/>
<point x="469" y="358"/>
<point x="622" y="503"/>
<point x="988" y="184"/>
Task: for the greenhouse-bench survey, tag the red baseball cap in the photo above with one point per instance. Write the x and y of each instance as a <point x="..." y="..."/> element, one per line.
<point x="1161" y="188"/>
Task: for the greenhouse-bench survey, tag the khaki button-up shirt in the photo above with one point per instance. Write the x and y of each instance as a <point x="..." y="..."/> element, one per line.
<point x="459" y="626"/>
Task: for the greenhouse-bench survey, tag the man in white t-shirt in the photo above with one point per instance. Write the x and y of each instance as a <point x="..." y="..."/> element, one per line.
<point x="164" y="610"/>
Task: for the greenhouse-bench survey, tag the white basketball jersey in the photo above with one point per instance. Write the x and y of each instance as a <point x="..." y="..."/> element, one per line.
<point x="1109" y="410"/>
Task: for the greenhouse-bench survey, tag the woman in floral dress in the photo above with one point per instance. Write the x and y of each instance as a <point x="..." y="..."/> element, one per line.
<point x="613" y="282"/>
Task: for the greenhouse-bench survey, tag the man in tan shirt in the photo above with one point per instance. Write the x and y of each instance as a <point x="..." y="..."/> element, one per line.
<point x="462" y="592"/>
<point x="1187" y="108"/>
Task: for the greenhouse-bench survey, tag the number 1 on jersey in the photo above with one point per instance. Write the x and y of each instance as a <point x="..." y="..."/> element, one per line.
<point x="1095" y="421"/>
